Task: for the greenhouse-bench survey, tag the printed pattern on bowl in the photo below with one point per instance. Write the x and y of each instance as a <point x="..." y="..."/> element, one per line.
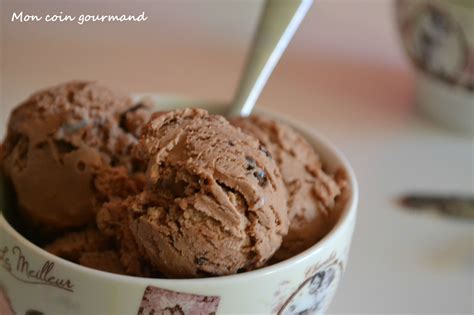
<point x="16" y="263"/>
<point x="160" y="301"/>
<point x="314" y="293"/>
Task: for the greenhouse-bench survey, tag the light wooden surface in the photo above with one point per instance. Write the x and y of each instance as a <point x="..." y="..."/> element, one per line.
<point x="345" y="76"/>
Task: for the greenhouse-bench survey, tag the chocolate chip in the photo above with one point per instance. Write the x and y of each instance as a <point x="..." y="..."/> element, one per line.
<point x="265" y="151"/>
<point x="173" y="120"/>
<point x="251" y="164"/>
<point x="200" y="261"/>
<point x="261" y="176"/>
<point x="231" y="143"/>
<point x="64" y="146"/>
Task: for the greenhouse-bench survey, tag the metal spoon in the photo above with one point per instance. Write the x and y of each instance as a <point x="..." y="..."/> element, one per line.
<point x="278" y="23"/>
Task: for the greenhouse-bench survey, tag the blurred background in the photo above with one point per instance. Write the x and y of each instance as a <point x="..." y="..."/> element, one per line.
<point x="345" y="74"/>
<point x="197" y="49"/>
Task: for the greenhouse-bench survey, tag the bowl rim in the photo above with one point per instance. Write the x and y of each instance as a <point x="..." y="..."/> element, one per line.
<point x="347" y="214"/>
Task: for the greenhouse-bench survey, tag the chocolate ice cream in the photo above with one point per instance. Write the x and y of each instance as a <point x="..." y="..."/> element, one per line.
<point x="89" y="248"/>
<point x="311" y="191"/>
<point x="113" y="221"/>
<point x="62" y="143"/>
<point x="103" y="260"/>
<point x="214" y="203"/>
<point x="73" y="245"/>
<point x="195" y="196"/>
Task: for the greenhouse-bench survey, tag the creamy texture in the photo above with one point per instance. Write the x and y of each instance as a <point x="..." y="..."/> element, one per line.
<point x="311" y="191"/>
<point x="60" y="142"/>
<point x="214" y="204"/>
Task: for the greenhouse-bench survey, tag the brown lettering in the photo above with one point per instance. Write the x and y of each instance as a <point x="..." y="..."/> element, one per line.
<point x="68" y="284"/>
<point x="47" y="267"/>
<point x="22" y="264"/>
<point x="51" y="279"/>
<point x="23" y="267"/>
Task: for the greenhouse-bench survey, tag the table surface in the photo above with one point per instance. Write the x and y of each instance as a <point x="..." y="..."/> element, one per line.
<point x="400" y="262"/>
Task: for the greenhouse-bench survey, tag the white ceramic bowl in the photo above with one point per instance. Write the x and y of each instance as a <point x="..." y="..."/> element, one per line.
<point x="33" y="281"/>
<point x="438" y="37"/>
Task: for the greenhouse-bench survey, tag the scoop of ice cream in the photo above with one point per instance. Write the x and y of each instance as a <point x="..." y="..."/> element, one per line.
<point x="60" y="142"/>
<point x="88" y="247"/>
<point x="113" y="221"/>
<point x="311" y="191"/>
<point x="73" y="245"/>
<point x="103" y="260"/>
<point x="215" y="202"/>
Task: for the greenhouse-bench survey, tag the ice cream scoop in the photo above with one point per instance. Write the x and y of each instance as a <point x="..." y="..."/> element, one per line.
<point x="311" y="191"/>
<point x="63" y="144"/>
<point x="214" y="203"/>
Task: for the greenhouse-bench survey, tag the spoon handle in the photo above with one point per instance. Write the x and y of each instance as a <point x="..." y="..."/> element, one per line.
<point x="278" y="23"/>
<point x="453" y="206"/>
